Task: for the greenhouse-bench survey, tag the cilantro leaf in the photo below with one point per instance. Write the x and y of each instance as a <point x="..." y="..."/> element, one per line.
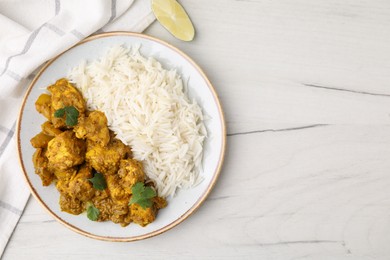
<point x="92" y="212"/>
<point x="145" y="203"/>
<point x="98" y="181"/>
<point x="59" y="112"/>
<point x="134" y="199"/>
<point x="149" y="193"/>
<point x="71" y="115"/>
<point x="142" y="195"/>
<point x="138" y="188"/>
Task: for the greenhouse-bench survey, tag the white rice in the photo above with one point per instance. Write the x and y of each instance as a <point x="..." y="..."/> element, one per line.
<point x="146" y="107"/>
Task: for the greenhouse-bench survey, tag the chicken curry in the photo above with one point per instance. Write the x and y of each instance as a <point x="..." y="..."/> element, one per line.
<point x="92" y="170"/>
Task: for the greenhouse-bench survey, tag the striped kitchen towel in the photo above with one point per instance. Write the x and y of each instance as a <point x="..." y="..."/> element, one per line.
<point x="31" y="32"/>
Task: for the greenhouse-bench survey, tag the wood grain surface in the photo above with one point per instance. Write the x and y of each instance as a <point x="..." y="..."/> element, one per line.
<point x="305" y="86"/>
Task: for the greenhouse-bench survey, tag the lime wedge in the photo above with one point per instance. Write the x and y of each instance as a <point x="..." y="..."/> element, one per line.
<point x="174" y="18"/>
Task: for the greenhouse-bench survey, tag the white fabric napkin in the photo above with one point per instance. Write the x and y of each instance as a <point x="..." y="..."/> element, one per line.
<point x="31" y="32"/>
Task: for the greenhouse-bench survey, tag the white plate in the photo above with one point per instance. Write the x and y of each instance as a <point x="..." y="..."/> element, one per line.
<point x="186" y="201"/>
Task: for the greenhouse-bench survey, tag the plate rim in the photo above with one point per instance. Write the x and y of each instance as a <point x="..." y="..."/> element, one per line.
<point x="198" y="202"/>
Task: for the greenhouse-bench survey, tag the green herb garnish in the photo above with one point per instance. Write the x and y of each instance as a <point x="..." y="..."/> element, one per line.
<point x="98" y="181"/>
<point x="142" y="195"/>
<point x="92" y="212"/>
<point x="71" y="114"/>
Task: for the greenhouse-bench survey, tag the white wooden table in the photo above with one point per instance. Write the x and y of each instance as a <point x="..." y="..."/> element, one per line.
<point x="305" y="86"/>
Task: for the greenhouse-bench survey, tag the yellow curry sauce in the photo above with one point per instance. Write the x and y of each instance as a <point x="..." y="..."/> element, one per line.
<point x="70" y="156"/>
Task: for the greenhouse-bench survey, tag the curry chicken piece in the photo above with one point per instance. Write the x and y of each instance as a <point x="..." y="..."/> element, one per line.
<point x="106" y="159"/>
<point x="71" y="205"/>
<point x="65" y="151"/>
<point x="40" y="140"/>
<point x="142" y="216"/>
<point x="119" y="193"/>
<point x="65" y="174"/>
<point x="41" y="168"/>
<point x="119" y="187"/>
<point x="121" y="215"/>
<point x="94" y="127"/>
<point x="109" y="210"/>
<point x="49" y="129"/>
<point x="43" y="105"/>
<point x="78" y="186"/>
<point x="130" y="172"/>
<point x="103" y="202"/>
<point x="146" y="216"/>
<point x="63" y="94"/>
